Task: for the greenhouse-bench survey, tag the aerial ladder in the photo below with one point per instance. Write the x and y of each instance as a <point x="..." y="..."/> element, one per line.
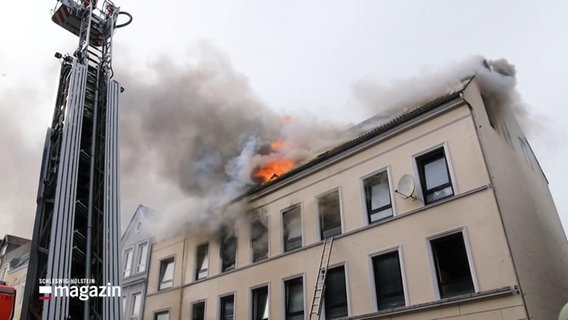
<point x="319" y="290"/>
<point x="77" y="225"/>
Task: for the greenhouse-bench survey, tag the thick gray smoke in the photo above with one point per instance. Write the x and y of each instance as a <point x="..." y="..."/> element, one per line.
<point x="192" y="136"/>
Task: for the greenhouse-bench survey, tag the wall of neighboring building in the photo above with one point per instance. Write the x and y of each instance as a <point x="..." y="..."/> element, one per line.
<point x="535" y="236"/>
<point x="14" y="270"/>
<point x="472" y="210"/>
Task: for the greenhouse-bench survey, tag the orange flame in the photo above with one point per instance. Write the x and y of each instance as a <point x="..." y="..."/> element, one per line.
<point x="277" y="167"/>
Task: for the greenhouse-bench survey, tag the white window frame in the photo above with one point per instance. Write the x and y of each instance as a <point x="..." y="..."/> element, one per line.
<point x="132" y="304"/>
<point x="343" y="264"/>
<point x="196" y="274"/>
<point x="420" y="193"/>
<point x="125" y="262"/>
<point x="157" y="312"/>
<point x="433" y="274"/>
<point x="173" y="257"/>
<point x="372" y="274"/>
<point x="139" y="254"/>
<point x="283" y="294"/>
<point x="282" y="226"/>
<point x="364" y="197"/>
<point x="319" y="222"/>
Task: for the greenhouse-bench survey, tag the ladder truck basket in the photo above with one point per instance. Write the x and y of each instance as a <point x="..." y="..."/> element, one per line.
<point x="68" y="16"/>
<point x="7" y="302"/>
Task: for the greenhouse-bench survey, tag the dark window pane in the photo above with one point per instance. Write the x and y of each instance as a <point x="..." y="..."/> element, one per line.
<point x="260" y="303"/>
<point x="388" y="281"/>
<point x="198" y="312"/>
<point x="227" y="308"/>
<point x="434" y="176"/>
<point x="330" y="215"/>
<point x="335" y="299"/>
<point x="294" y="299"/>
<point x="228" y="252"/>
<point x="452" y="266"/>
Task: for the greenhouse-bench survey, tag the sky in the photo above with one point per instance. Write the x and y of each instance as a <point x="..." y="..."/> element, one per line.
<point x="266" y="57"/>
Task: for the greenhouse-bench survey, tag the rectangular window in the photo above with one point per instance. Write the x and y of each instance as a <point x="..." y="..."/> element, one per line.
<point x="294" y="299"/>
<point x="260" y="303"/>
<point x="335" y="295"/>
<point x="128" y="262"/>
<point x="377" y="196"/>
<point x="259" y="239"/>
<point x="166" y="273"/>
<point x="198" y="311"/>
<point x="452" y="265"/>
<point x="330" y="214"/>
<point x="434" y="176"/>
<point x="228" y="244"/>
<point x="202" y="259"/>
<point x="143" y="257"/>
<point x="227" y="305"/>
<point x="292" y="228"/>
<point x="388" y="281"/>
<point x="164" y="315"/>
<point x="136" y="306"/>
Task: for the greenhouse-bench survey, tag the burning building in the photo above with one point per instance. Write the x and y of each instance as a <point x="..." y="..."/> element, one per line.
<point x="440" y="210"/>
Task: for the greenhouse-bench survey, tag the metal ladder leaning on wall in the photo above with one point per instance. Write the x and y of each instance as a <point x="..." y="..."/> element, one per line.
<point x="320" y="279"/>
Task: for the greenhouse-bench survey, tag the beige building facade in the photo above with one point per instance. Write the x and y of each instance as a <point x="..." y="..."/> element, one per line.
<point x="441" y="213"/>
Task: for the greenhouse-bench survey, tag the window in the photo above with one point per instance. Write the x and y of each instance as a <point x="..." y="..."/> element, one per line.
<point x="142" y="257"/>
<point x="163" y="315"/>
<point x="335" y="295"/>
<point x="330" y="216"/>
<point x="128" y="262"/>
<point x="202" y="259"/>
<point x="377" y="196"/>
<point x="527" y="152"/>
<point x="228" y="252"/>
<point x="227" y="305"/>
<point x="294" y="296"/>
<point x="135" y="312"/>
<point x="434" y="176"/>
<point x="388" y="281"/>
<point x="452" y="265"/>
<point x="260" y="303"/>
<point x="259" y="239"/>
<point x="292" y="225"/>
<point x="198" y="311"/>
<point x="166" y="273"/>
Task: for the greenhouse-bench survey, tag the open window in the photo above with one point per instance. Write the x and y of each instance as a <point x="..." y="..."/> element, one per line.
<point x="142" y="257"/>
<point x="434" y="176"/>
<point x="335" y="296"/>
<point x="228" y="245"/>
<point x="259" y="239"/>
<point x="329" y="214"/>
<point x="294" y="299"/>
<point x="451" y="263"/>
<point x="259" y="302"/>
<point x="202" y="261"/>
<point x="377" y="196"/>
<point x="198" y="311"/>
<point x="292" y="228"/>
<point x="166" y="273"/>
<point x="388" y="281"/>
<point x="227" y="307"/>
<point x="128" y="256"/>
<point x="136" y="307"/>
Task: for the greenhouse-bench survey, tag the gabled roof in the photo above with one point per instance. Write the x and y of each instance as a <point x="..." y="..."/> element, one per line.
<point x="15" y="240"/>
<point x="143" y="214"/>
<point x="368" y="135"/>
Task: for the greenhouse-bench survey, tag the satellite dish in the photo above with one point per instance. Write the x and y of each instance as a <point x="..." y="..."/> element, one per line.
<point x="405" y="187"/>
